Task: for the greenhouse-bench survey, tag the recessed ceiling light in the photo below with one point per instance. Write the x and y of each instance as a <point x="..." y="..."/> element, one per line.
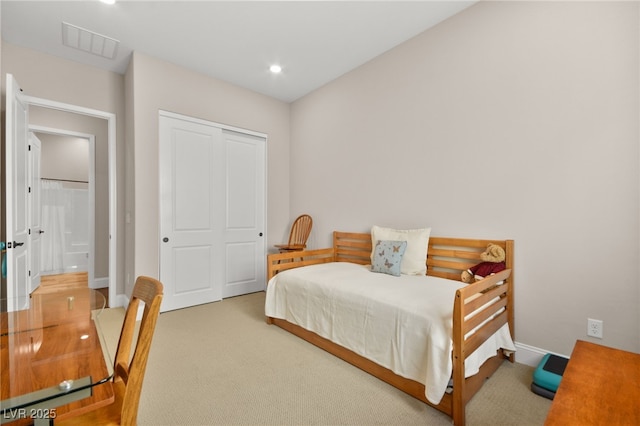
<point x="275" y="69"/>
<point x="108" y="1"/>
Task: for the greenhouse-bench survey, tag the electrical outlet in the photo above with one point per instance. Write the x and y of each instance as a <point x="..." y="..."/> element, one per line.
<point x="594" y="328"/>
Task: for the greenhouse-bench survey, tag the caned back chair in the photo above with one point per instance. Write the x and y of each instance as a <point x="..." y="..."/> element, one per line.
<point x="299" y="234"/>
<point x="129" y="370"/>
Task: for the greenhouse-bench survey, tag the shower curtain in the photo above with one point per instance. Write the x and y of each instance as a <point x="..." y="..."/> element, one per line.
<point x="53" y="199"/>
<point x="65" y="222"/>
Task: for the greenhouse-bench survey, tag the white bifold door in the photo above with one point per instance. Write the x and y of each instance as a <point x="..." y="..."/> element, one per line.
<point x="212" y="211"/>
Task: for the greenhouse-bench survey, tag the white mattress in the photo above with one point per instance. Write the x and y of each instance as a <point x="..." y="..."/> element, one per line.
<point x="402" y="323"/>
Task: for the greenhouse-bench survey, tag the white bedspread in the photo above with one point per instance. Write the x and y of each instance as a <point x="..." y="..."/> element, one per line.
<point x="402" y="323"/>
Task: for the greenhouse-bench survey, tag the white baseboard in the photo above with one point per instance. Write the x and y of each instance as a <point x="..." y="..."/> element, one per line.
<point x="99" y="283"/>
<point x="530" y="355"/>
<point x="121" y="300"/>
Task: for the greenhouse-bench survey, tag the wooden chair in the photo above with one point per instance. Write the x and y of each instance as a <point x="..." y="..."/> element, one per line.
<point x="299" y="234"/>
<point x="128" y="371"/>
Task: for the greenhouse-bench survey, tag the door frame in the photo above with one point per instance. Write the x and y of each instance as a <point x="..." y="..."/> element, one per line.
<point x="111" y="148"/>
<point x="91" y="139"/>
<point x="183" y="117"/>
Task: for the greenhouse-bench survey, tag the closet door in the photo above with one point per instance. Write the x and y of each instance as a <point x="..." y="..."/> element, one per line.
<point x="212" y="218"/>
<point x="244" y="243"/>
<point x="191" y="174"/>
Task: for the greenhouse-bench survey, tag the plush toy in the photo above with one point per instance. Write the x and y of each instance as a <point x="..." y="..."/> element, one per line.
<point x="492" y="262"/>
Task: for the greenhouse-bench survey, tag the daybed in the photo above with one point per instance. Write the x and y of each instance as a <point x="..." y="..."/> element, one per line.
<point x="331" y="298"/>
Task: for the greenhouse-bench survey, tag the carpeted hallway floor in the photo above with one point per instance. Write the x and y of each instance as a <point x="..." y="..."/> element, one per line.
<point x="221" y="364"/>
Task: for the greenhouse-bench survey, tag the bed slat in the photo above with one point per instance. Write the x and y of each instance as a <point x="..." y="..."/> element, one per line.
<point x="476" y="339"/>
<point x="486" y="297"/>
<point x="283" y="261"/>
<point x="456" y="254"/>
<point x="444" y="274"/>
<point x="483" y="315"/>
<point x="352" y="247"/>
<point x="448" y="264"/>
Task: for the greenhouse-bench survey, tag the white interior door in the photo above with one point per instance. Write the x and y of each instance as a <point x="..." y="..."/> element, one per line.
<point x="212" y="211"/>
<point x="35" y="209"/>
<point x="17" y="261"/>
<point x="244" y="245"/>
<point x="190" y="263"/>
<point x="17" y="166"/>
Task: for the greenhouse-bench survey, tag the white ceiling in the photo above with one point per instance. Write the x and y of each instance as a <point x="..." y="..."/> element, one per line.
<point x="236" y="41"/>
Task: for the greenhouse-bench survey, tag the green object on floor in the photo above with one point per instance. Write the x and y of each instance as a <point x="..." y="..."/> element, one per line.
<point x="4" y="260"/>
<point x="547" y="376"/>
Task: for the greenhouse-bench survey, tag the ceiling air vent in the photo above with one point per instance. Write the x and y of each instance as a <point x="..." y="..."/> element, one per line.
<point x="88" y="41"/>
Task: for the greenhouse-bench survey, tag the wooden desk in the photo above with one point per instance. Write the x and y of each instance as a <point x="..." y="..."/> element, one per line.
<point x="600" y="386"/>
<point x="53" y="342"/>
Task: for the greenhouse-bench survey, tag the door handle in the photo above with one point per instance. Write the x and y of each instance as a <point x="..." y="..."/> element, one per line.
<point x="165" y="239"/>
<point x="41" y="232"/>
<point x="14" y="244"/>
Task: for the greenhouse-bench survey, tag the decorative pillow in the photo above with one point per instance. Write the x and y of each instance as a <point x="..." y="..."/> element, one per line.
<point x="387" y="257"/>
<point x="414" y="261"/>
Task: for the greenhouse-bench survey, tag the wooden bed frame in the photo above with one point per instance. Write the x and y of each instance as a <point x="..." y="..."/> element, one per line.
<point x="446" y="258"/>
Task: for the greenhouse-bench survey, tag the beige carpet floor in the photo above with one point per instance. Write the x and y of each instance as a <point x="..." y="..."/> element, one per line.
<point x="221" y="364"/>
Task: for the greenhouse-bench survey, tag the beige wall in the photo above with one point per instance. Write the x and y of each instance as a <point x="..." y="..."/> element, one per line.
<point x="156" y="85"/>
<point x="510" y="120"/>
<point x="152" y="85"/>
<point x="52" y="78"/>
<point x="65" y="158"/>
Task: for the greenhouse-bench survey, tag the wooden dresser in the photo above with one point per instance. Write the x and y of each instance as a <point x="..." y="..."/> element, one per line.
<point x="600" y="386"/>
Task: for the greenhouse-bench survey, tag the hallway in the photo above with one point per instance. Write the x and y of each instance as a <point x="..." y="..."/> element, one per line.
<point x="61" y="282"/>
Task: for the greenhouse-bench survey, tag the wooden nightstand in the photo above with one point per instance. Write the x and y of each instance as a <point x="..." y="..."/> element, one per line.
<point x="600" y="386"/>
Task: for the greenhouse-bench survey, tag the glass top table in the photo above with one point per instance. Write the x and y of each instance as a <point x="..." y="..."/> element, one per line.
<point x="54" y="359"/>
